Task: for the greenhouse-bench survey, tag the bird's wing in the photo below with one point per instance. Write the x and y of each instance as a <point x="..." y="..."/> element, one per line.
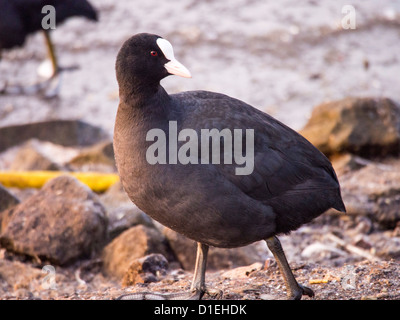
<point x="12" y="31"/>
<point x="284" y="161"/>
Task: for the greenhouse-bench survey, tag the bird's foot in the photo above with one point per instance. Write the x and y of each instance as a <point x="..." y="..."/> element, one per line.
<point x="195" y="294"/>
<point x="299" y="292"/>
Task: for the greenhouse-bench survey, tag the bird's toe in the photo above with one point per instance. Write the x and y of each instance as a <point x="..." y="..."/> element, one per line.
<point x="299" y="292"/>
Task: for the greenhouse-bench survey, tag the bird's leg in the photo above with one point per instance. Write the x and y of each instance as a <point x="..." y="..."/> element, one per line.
<point x="51" y="82"/>
<point x="51" y="52"/>
<point x="295" y="290"/>
<point x="4" y="85"/>
<point x="56" y="68"/>
<point x="52" y="74"/>
<point x="50" y="85"/>
<point x="198" y="285"/>
<point x="197" y="289"/>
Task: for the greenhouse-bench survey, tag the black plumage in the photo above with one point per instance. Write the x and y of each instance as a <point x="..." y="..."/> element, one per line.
<point x="20" y="18"/>
<point x="292" y="182"/>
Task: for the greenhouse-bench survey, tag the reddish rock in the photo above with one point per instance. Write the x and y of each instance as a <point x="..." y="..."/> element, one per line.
<point x="145" y="270"/>
<point x="61" y="223"/>
<point x="132" y="244"/>
<point x="364" y="126"/>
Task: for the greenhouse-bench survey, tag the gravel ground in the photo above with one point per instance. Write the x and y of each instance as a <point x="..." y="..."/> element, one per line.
<point x="282" y="57"/>
<point x="357" y="278"/>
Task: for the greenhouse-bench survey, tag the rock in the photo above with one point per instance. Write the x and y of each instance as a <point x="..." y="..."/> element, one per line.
<point x="374" y="191"/>
<point x="363" y="225"/>
<point x="361" y="241"/>
<point x="25" y="193"/>
<point x="344" y="163"/>
<point x="183" y="248"/>
<point x="122" y="213"/>
<point x="396" y="230"/>
<point x="115" y="196"/>
<point x="320" y="251"/>
<point x="134" y="243"/>
<point x="5" y="217"/>
<point x="30" y="157"/>
<point x="62" y="132"/>
<point x="16" y="275"/>
<point x="35" y="154"/>
<point x="363" y="126"/>
<point x="125" y="217"/>
<point x="99" y="157"/>
<point x="385" y="245"/>
<point x="61" y="223"/>
<point x="7" y="202"/>
<point x="387" y="211"/>
<point x="218" y="258"/>
<point x="7" y="199"/>
<point x="145" y="270"/>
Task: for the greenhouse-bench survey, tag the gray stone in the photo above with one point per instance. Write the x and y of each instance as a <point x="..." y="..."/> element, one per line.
<point x="122" y="213"/>
<point x="374" y="191"/>
<point x="125" y="217"/>
<point x="63" y="132"/>
<point x="7" y="199"/>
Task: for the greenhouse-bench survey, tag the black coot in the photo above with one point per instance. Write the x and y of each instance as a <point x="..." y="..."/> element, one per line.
<point x="287" y="183"/>
<point x="19" y="18"/>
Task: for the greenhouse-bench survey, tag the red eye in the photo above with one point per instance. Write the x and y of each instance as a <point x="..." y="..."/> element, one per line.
<point x="154" y="53"/>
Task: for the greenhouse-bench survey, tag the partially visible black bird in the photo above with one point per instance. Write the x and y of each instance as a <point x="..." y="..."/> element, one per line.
<point x="291" y="182"/>
<point x="19" y="18"/>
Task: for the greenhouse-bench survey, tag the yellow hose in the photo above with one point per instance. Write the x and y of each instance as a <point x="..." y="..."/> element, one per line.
<point x="96" y="181"/>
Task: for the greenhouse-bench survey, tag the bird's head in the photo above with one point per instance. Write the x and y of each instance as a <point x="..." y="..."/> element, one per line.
<point x="147" y="58"/>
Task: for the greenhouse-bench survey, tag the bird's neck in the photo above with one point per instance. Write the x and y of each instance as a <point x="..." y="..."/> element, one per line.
<point x="137" y="94"/>
<point x="144" y="101"/>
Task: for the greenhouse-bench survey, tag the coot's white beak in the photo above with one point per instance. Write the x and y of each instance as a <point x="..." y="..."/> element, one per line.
<point x="173" y="66"/>
<point x="177" y="68"/>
